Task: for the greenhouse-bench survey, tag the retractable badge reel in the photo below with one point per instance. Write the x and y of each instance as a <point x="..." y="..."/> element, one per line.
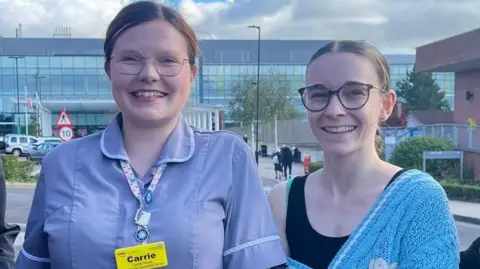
<point x="145" y="256"/>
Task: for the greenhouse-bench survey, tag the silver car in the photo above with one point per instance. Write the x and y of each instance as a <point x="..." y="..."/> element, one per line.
<point x="18" y="144"/>
<point x="40" y="151"/>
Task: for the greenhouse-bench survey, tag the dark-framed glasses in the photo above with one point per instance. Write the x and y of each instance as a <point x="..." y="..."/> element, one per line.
<point x="167" y="63"/>
<point x="352" y="95"/>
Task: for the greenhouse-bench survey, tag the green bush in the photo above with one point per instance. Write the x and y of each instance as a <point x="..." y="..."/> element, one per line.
<point x="461" y="192"/>
<point x="314" y="166"/>
<point x="409" y="154"/>
<point x="18" y="171"/>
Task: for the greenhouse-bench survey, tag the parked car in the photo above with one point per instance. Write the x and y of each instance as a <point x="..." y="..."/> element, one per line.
<point x="41" y="140"/>
<point x="2" y="144"/>
<point x="18" y="145"/>
<point x="40" y="151"/>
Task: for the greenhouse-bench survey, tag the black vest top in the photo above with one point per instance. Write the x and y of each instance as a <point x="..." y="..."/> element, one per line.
<point x="306" y="245"/>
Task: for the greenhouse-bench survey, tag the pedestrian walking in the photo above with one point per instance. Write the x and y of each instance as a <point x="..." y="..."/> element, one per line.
<point x="150" y="191"/>
<point x="277" y="166"/>
<point x="359" y="211"/>
<point x="287" y="160"/>
<point x="8" y="232"/>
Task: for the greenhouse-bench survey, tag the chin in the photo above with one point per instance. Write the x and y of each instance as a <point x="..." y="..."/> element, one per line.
<point x="338" y="150"/>
<point x="146" y="116"/>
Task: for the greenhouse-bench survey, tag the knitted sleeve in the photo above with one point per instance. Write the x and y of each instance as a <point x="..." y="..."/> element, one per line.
<point x="431" y="240"/>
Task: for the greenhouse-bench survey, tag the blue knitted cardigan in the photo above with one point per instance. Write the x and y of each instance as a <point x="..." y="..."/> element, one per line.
<point x="410" y="226"/>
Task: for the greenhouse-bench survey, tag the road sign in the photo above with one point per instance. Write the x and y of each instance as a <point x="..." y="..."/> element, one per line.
<point x="63" y="119"/>
<point x="65" y="133"/>
<point x="443" y="155"/>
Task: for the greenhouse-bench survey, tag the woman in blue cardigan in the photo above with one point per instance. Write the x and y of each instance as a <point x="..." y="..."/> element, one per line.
<point x="359" y="211"/>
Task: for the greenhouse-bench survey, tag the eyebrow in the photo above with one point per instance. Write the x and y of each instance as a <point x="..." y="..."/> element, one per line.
<point x="346" y="82"/>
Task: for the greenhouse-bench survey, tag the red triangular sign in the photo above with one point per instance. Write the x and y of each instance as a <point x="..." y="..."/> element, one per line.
<point x="63" y="119"/>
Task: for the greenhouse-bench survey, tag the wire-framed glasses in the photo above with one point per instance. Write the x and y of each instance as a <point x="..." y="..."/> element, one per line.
<point x="167" y="63"/>
<point x="352" y="95"/>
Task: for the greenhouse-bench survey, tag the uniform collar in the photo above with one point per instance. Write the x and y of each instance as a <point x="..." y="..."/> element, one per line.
<point x="179" y="146"/>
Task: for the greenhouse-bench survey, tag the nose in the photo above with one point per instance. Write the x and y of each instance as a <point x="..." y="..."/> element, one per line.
<point x="334" y="109"/>
<point x="149" y="73"/>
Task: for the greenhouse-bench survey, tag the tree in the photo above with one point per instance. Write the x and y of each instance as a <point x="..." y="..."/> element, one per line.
<point x="34" y="125"/>
<point x="275" y="99"/>
<point x="420" y="92"/>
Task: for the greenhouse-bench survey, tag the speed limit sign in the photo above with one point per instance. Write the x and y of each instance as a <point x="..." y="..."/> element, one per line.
<point x="66" y="133"/>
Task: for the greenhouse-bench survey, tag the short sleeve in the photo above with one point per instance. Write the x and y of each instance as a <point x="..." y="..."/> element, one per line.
<point x="431" y="240"/>
<point x="34" y="254"/>
<point x="251" y="238"/>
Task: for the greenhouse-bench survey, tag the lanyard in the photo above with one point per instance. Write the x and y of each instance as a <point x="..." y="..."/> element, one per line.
<point x="142" y="217"/>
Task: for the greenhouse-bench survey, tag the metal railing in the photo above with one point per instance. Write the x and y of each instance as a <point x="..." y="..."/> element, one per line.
<point x="463" y="136"/>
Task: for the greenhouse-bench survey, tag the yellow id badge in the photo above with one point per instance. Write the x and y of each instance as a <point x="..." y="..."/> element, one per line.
<point x="148" y="256"/>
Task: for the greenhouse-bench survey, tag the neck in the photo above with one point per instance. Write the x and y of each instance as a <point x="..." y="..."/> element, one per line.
<point x="144" y="144"/>
<point x="346" y="175"/>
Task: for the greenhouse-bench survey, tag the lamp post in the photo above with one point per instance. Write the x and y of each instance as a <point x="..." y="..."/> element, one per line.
<point x="18" y="89"/>
<point x="38" y="84"/>
<point x="258" y="89"/>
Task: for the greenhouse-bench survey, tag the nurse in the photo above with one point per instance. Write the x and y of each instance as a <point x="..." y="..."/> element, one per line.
<point x="150" y="191"/>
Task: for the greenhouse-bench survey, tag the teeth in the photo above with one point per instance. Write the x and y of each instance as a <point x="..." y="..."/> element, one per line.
<point x="149" y="94"/>
<point x="340" y="129"/>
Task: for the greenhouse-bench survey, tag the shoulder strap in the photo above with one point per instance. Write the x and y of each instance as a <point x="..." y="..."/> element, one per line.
<point x="289" y="185"/>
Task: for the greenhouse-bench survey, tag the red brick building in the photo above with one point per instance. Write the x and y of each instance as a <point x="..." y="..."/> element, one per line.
<point x="459" y="54"/>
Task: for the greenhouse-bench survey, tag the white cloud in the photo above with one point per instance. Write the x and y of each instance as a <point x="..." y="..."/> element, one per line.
<point x="393" y="25"/>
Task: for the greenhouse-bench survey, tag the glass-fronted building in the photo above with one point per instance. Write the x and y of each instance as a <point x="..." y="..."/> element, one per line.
<point x="68" y="74"/>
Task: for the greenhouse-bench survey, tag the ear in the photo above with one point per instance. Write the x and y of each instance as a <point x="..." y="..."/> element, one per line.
<point x="388" y="104"/>
<point x="194" y="71"/>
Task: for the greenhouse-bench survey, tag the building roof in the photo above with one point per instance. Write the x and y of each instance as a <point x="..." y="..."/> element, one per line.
<point x="454" y="54"/>
<point x="433" y="116"/>
<point x="214" y="51"/>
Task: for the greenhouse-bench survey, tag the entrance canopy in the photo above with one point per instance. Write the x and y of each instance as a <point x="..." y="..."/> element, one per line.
<point x="202" y="116"/>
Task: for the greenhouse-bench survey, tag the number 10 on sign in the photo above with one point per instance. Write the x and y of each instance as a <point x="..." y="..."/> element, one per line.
<point x="66" y="133"/>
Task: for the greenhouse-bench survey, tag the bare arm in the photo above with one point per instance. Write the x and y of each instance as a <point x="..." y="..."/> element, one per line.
<point x="278" y="205"/>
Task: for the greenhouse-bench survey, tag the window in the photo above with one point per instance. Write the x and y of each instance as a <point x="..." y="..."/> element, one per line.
<point x="33" y="140"/>
<point x="79" y="62"/>
<point x="52" y="140"/>
<point x="13" y="139"/>
<point x="43" y="62"/>
<point x="67" y="61"/>
<point x="80" y="87"/>
<point x="91" y="62"/>
<point x="31" y="61"/>
<point x="55" y="61"/>
<point x="56" y="84"/>
<point x="7" y="62"/>
<point x="103" y="85"/>
<point x="91" y="85"/>
<point x="7" y="85"/>
<point x="23" y="140"/>
<point x="68" y="83"/>
<point x="91" y="119"/>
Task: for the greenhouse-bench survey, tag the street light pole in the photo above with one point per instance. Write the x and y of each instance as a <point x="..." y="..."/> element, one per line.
<point x="18" y="89"/>
<point x="258" y="89"/>
<point x="38" y="95"/>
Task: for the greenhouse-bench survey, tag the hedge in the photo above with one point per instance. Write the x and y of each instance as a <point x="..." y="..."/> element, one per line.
<point x="409" y="154"/>
<point x="18" y="171"/>
<point x="454" y="189"/>
<point x="461" y="192"/>
<point x="314" y="166"/>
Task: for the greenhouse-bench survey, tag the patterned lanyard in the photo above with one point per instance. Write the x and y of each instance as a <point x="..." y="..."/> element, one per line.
<point x="142" y="217"/>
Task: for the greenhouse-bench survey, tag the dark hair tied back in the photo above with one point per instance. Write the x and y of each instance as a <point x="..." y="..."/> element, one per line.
<point x="145" y="11"/>
<point x="369" y="52"/>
